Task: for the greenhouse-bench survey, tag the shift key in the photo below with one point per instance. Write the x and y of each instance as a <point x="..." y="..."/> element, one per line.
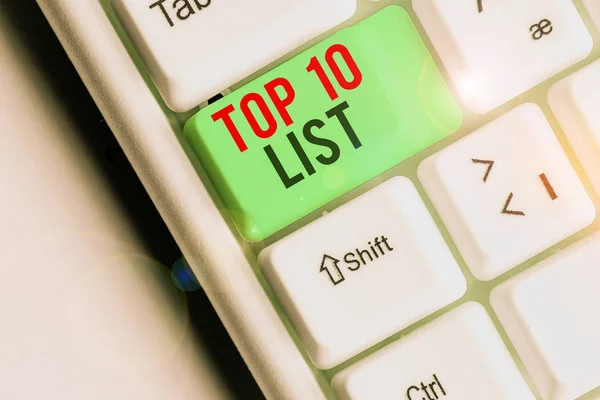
<point x="323" y="123"/>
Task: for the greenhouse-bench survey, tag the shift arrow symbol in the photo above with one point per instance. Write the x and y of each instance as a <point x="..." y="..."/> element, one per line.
<point x="490" y="165"/>
<point x="505" y="210"/>
<point x="330" y="265"/>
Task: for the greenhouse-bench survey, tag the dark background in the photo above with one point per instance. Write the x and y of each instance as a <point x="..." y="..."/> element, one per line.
<point x="104" y="150"/>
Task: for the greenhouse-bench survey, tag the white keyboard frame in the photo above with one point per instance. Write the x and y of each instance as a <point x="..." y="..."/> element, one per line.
<point x="225" y="264"/>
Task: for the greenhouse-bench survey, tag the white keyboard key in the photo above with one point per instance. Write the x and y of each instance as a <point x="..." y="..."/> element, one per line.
<point x="593" y="7"/>
<point x="194" y="49"/>
<point x="494" y="50"/>
<point x="459" y="356"/>
<point x="551" y="315"/>
<point x="507" y="192"/>
<point x="575" y="101"/>
<point x="363" y="272"/>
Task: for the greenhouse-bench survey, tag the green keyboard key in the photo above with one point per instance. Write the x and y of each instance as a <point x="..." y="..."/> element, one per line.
<point x="323" y="123"/>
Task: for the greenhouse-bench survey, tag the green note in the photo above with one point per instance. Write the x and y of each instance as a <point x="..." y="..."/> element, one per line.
<point x="326" y="121"/>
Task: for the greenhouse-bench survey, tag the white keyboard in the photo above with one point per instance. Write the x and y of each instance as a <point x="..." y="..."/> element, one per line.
<point x="417" y="181"/>
<point x="167" y="33"/>
<point x="497" y="50"/>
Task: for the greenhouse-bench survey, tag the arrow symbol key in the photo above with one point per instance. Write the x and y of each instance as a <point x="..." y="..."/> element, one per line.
<point x="330" y="265"/>
<point x="505" y="210"/>
<point x="490" y="165"/>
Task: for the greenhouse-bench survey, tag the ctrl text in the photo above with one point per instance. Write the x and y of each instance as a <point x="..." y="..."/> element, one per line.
<point x="426" y="391"/>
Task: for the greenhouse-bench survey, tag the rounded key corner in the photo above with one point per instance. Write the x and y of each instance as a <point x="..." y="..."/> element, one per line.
<point x="486" y="277"/>
<point x="483" y="271"/>
<point x="421" y="7"/>
<point x="460" y="115"/>
<point x="247" y="228"/>
<point x="326" y="351"/>
<point x="399" y="180"/>
<point x="504" y="293"/>
<point x="461" y="280"/>
<point x="189" y="128"/>
<point x="558" y="92"/>
<point x="177" y="106"/>
<point x="349" y="7"/>
<point x="396" y="10"/>
<point x="591" y="212"/>
<point x="339" y="383"/>
<point x="252" y="234"/>
<point x="264" y="258"/>
<point x="428" y="173"/>
<point x="530" y="109"/>
<point x="474" y="307"/>
<point x="480" y="107"/>
<point x="322" y="358"/>
<point x="424" y="168"/>
<point x="267" y="260"/>
<point x="529" y="105"/>
<point x="176" y="97"/>
<point x="587" y="51"/>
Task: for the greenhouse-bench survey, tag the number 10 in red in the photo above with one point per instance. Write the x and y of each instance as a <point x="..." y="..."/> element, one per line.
<point x="345" y="83"/>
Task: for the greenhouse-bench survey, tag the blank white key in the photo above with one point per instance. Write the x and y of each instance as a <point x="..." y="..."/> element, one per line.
<point x="551" y="314"/>
<point x="459" y="356"/>
<point x="593" y="7"/>
<point x="495" y="50"/>
<point x="575" y="101"/>
<point x="363" y="272"/>
<point x="194" y="49"/>
<point x="507" y="192"/>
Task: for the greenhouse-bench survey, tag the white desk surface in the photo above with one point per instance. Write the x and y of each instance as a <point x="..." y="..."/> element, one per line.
<point x="84" y="314"/>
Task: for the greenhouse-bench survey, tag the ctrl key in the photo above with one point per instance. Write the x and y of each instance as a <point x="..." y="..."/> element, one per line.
<point x="459" y="356"/>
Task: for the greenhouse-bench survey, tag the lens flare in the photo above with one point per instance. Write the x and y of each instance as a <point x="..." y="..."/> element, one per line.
<point x="183" y="277"/>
